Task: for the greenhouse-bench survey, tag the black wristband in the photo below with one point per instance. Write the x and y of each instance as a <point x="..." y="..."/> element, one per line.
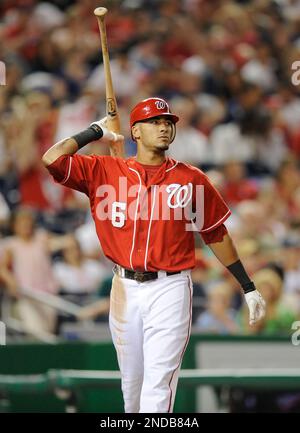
<point x="238" y="271"/>
<point x="92" y="133"/>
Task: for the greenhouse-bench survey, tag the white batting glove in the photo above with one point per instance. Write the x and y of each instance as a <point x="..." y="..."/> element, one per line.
<point x="108" y="136"/>
<point x="256" y="305"/>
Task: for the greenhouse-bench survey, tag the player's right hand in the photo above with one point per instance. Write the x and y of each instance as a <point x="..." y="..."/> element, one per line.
<point x="108" y="136"/>
<point x="102" y="122"/>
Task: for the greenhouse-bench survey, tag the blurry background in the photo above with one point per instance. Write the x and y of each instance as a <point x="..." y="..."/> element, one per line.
<point x="225" y="67"/>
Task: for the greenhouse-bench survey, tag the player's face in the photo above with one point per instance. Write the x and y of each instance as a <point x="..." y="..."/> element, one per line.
<point x="155" y="133"/>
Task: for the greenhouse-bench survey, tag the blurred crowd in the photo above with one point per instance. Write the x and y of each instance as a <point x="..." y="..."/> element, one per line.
<point x="225" y="67"/>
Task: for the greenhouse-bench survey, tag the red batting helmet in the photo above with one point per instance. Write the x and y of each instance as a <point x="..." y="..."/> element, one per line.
<point x="152" y="107"/>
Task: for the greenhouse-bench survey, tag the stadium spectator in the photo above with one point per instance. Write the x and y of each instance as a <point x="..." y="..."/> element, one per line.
<point x="219" y="318"/>
<point x="26" y="265"/>
<point x="237" y="186"/>
<point x="78" y="277"/>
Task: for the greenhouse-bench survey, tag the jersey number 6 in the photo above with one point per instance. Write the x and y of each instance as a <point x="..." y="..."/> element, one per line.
<point x="117" y="213"/>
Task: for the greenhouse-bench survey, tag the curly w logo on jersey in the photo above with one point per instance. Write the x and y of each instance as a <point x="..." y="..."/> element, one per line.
<point x="179" y="195"/>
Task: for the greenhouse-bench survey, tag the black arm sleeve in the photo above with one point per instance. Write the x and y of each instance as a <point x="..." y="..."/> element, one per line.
<point x="92" y="133"/>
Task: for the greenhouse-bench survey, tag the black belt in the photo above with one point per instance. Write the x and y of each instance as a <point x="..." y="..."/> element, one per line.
<point x="139" y="276"/>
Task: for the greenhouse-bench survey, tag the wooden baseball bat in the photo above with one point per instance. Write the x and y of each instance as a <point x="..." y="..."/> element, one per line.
<point x="113" y="118"/>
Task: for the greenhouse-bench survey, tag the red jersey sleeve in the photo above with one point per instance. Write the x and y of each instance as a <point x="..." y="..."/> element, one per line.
<point x="76" y="171"/>
<point x="216" y="235"/>
<point x="215" y="209"/>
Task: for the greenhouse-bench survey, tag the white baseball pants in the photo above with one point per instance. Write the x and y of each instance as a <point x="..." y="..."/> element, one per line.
<point x="150" y="325"/>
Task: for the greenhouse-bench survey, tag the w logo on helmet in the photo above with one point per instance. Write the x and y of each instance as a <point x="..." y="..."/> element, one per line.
<point x="160" y="105"/>
<point x="151" y="107"/>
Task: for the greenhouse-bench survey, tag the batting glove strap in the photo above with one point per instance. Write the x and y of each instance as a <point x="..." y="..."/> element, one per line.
<point x="249" y="287"/>
<point x="256" y="305"/>
<point x="106" y="134"/>
<point x="98" y="129"/>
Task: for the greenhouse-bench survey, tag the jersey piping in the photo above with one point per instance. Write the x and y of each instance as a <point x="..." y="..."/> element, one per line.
<point x="218" y="222"/>
<point x="136" y="209"/>
<point x="149" y="228"/>
<point x="69" y="171"/>
<point x="173" y="166"/>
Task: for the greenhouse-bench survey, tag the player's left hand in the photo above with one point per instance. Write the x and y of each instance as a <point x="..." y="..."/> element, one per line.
<point x="256" y="305"/>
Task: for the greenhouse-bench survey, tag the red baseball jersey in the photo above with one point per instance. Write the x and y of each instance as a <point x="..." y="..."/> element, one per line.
<point x="144" y="225"/>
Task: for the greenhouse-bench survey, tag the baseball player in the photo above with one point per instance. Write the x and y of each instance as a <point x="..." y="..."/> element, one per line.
<point x="145" y="209"/>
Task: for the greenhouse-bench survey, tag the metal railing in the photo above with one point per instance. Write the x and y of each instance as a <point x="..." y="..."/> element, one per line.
<point x="67" y="384"/>
<point x="53" y="301"/>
